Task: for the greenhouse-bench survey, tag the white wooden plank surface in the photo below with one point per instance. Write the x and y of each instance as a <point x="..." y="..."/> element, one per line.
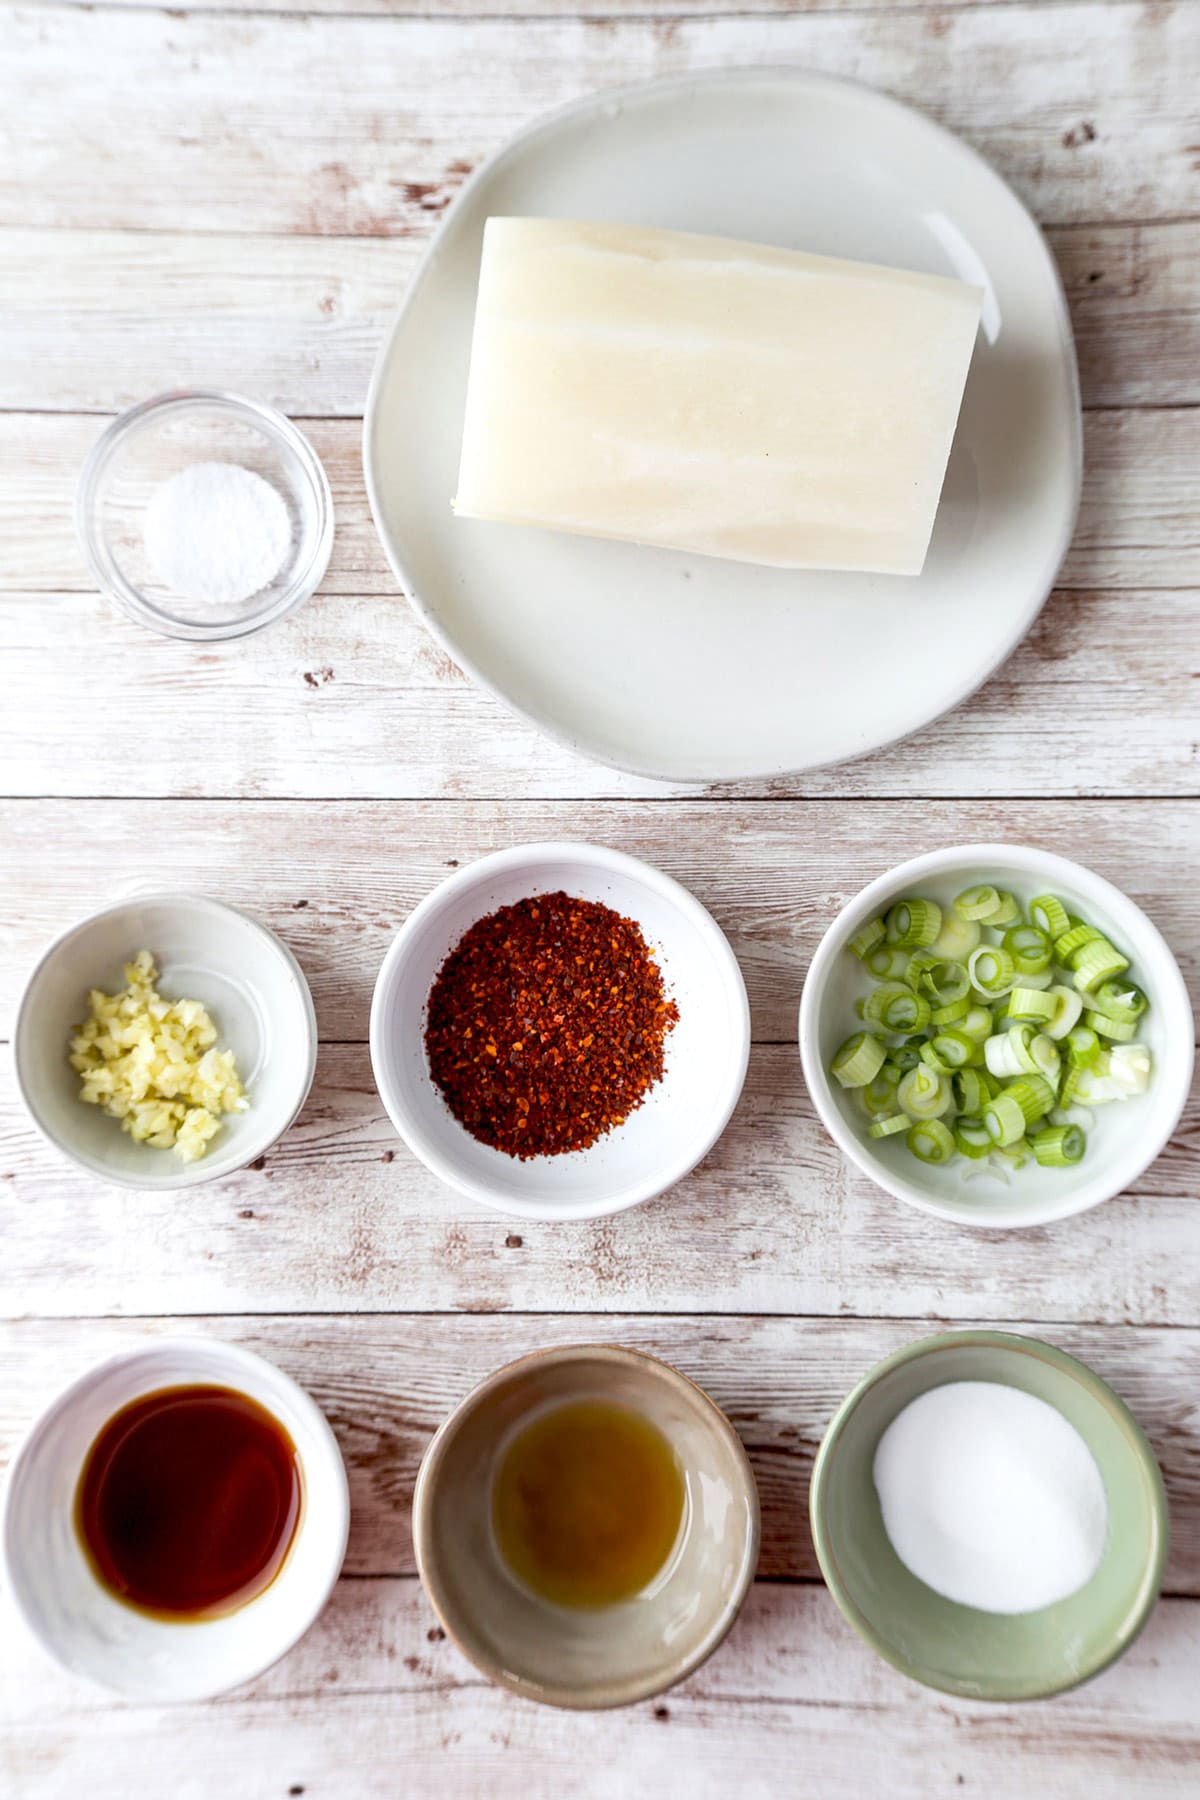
<point x="222" y="195"/>
<point x="337" y="879"/>
<point x="341" y="1219"/>
<point x="297" y="320"/>
<point x="778" y="1380"/>
<point x="1088" y="109"/>
<point x="1137" y="523"/>
<point x="374" y="1702"/>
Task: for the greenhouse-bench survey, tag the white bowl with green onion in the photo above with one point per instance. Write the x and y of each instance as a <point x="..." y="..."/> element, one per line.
<point x="997" y="1035"/>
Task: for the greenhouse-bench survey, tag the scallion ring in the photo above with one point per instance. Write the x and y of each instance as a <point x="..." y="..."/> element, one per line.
<point x="1059" y="1146"/>
<point x="1030" y="949"/>
<point x="992" y="970"/>
<point x="915" y="922"/>
<point x="859" y="1060"/>
<point x="931" y="1142"/>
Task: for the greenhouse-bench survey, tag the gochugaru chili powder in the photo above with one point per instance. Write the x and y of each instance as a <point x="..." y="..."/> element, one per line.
<point x="546" y="1025"/>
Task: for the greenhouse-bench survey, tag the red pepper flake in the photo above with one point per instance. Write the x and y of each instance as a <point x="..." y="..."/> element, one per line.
<point x="577" y="1059"/>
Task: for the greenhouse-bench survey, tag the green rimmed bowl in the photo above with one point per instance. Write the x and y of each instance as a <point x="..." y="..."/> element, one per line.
<point x="980" y="1655"/>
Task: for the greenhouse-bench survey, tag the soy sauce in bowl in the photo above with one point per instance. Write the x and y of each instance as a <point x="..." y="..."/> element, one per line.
<point x="189" y="1501"/>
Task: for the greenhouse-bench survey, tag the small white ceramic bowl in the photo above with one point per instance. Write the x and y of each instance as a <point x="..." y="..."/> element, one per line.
<point x="85" y="1627"/>
<point x="1126" y="1136"/>
<point x="706" y="1053"/>
<point x="251" y="984"/>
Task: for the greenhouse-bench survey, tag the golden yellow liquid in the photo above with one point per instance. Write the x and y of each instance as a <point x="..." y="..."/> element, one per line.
<point x="587" y="1504"/>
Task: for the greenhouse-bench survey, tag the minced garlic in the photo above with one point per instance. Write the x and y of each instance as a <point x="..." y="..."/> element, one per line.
<point x="152" y="1064"/>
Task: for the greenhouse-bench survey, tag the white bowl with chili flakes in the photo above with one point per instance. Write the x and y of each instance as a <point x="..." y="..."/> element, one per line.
<point x="680" y="1116"/>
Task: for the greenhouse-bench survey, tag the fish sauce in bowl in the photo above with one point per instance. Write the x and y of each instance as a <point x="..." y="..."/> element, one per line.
<point x="588" y="1504"/>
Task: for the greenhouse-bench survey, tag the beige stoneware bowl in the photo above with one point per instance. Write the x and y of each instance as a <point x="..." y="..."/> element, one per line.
<point x="610" y="1656"/>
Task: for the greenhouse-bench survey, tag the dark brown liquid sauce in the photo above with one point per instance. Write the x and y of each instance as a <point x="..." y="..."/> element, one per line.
<point x="189" y="1500"/>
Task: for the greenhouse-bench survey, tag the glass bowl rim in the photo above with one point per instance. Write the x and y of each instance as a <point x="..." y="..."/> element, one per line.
<point x="271" y="424"/>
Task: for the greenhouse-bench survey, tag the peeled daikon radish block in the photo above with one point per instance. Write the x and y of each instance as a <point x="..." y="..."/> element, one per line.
<point x="712" y="396"/>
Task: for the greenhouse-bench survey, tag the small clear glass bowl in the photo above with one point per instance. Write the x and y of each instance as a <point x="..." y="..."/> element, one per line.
<point x="153" y="441"/>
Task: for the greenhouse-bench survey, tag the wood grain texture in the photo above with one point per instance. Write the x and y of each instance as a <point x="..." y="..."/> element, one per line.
<point x="336" y="880"/>
<point x="375" y="1697"/>
<point x="95" y="320"/>
<point x="367" y="127"/>
<point x="386" y="1384"/>
<point x="466" y="11"/>
<point x="351" y="696"/>
<point x="236" y="193"/>
<point x="1137" y="523"/>
<point x="341" y="1218"/>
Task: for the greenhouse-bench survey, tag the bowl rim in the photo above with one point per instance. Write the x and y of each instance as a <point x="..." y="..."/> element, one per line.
<point x="108" y="577"/>
<point x="983" y="1337"/>
<point x="595" y="104"/>
<point x="1167" y="982"/>
<point x="615" y="1692"/>
<point x="534" y="856"/>
<point x="239" y="1358"/>
<point x="187" y="1174"/>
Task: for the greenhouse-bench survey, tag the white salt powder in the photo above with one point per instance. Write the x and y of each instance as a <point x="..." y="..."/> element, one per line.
<point x="217" y="533"/>
<point x="991" y="1497"/>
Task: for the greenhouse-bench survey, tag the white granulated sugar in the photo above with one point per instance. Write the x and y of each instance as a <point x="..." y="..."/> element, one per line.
<point x="217" y="533"/>
<point x="991" y="1497"/>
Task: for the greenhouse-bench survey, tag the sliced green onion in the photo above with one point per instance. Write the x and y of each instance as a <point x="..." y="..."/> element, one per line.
<point x="1130" y="1066"/>
<point x="868" y="937"/>
<point x="972" y="1136"/>
<point x="1095" y="963"/>
<point x="1025" y="1030"/>
<point x="1033" y="1094"/>
<point x="977" y="1023"/>
<point x="1011" y="1053"/>
<point x="924" y="1093"/>
<point x="944" y="982"/>
<point x="992" y="970"/>
<point x="1068" y="1005"/>
<point x="895" y="1008"/>
<point x="1030" y="949"/>
<point x="1093" y="1086"/>
<point x="973" y="1088"/>
<point x="957" y="938"/>
<point x="885" y="1128"/>
<point x="1032" y="1005"/>
<point x="878" y="1097"/>
<point x="1017" y="1153"/>
<point x="1121" y="1031"/>
<point x="887" y="962"/>
<point x="931" y="1142"/>
<point x="954" y="1047"/>
<point x="1045" y="1053"/>
<point x="1059" y="1146"/>
<point x="1049" y="915"/>
<point x="1066" y="946"/>
<point x="1006" y="913"/>
<point x="915" y="922"/>
<point x="918" y="962"/>
<point x="1119" y="1000"/>
<point x="1083" y="1046"/>
<point x="1004" y="1119"/>
<point x="977" y="903"/>
<point x="859" y="1060"/>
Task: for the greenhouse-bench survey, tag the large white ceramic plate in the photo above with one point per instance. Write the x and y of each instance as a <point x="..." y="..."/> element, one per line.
<point x="687" y="667"/>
